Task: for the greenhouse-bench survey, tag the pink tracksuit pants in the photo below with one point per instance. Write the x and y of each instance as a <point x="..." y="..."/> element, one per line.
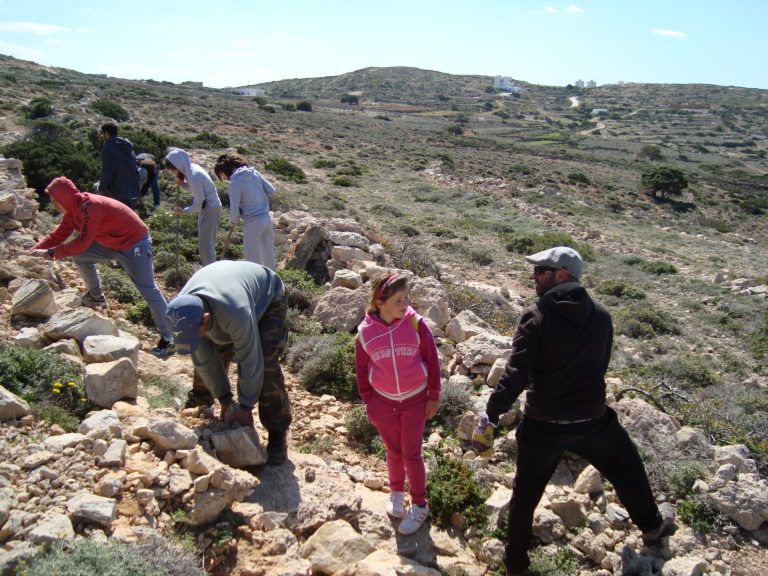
<point x="401" y="426"/>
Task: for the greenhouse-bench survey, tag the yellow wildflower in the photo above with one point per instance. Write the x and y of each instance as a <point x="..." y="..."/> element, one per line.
<point x="56" y="391"/>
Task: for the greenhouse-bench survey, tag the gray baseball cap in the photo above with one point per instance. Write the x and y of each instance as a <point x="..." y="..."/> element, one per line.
<point x="559" y="257"/>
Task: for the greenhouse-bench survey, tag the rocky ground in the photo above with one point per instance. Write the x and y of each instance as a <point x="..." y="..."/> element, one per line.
<point x="129" y="469"/>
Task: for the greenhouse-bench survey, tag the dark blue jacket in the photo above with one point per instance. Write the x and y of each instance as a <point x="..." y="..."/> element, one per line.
<point x="119" y="174"/>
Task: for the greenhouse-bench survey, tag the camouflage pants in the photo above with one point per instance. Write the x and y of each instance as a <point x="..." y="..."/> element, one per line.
<point x="274" y="405"/>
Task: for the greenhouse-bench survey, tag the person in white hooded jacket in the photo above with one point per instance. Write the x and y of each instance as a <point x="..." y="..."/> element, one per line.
<point x="205" y="200"/>
<point x="249" y="194"/>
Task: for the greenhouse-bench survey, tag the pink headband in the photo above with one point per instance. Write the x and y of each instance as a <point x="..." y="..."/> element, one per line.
<point x="387" y="283"/>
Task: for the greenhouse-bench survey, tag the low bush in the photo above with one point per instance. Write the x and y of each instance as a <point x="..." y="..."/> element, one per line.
<point x="287" y="170"/>
<point x="207" y="140"/>
<point x="152" y="557"/>
<point x="343" y="181"/>
<point x="681" y="477"/>
<point x="643" y="321"/>
<point x="688" y="370"/>
<point x="658" y="268"/>
<point x="360" y="432"/>
<point x="119" y="285"/>
<point x="323" y="163"/>
<point x="562" y="563"/>
<point x="455" y="399"/>
<point x="698" y="515"/>
<point x="532" y="243"/>
<point x="111" y="109"/>
<point x="53" y="386"/>
<point x="620" y="289"/>
<point x="39" y="108"/>
<point x="325" y="364"/>
<point x="452" y="487"/>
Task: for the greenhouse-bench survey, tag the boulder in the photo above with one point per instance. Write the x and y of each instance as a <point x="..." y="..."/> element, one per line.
<point x="105" y="348"/>
<point x="342" y="308"/>
<point x="108" y="382"/>
<point x="78" y="324"/>
<point x="34" y="298"/>
<point x="11" y="406"/>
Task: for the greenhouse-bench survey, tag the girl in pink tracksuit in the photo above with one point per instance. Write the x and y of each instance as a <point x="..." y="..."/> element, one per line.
<point x="398" y="377"/>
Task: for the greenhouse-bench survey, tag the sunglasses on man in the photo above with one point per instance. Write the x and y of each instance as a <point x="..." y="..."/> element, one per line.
<point x="540" y="270"/>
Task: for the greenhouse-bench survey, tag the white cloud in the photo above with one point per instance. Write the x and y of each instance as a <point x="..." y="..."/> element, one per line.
<point x="22" y="52"/>
<point x="672" y="33"/>
<point x="31" y="28"/>
<point x="549" y="9"/>
<point x="573" y="9"/>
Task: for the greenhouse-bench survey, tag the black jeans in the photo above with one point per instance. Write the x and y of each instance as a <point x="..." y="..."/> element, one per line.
<point x="604" y="443"/>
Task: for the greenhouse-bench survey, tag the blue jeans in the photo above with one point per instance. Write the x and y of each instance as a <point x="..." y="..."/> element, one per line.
<point x="137" y="263"/>
<point x="602" y="442"/>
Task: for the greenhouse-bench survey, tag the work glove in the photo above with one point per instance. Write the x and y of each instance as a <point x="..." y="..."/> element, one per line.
<point x="482" y="437"/>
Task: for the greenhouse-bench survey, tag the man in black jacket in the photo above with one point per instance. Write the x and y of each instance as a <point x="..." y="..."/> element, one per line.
<point x="119" y="172"/>
<point x="560" y="354"/>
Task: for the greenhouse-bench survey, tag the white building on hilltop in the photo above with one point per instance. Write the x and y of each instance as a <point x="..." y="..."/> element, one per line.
<point x="247" y="91"/>
<point x="506" y="84"/>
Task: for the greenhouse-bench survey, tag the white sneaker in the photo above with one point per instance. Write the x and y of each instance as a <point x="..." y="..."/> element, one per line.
<point x="413" y="520"/>
<point x="395" y="505"/>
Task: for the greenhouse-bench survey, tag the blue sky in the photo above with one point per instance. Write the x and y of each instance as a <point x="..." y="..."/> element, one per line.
<point x="234" y="43"/>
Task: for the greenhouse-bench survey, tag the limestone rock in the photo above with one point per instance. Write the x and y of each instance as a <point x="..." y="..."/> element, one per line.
<point x="342" y="308"/>
<point x="11" y="406"/>
<point x="334" y="546"/>
<point x="78" y="324"/>
<point x="104" y="348"/>
<point x="108" y="382"/>
<point x="170" y="434"/>
<point x="92" y="508"/>
<point x="239" y="448"/>
<point x="34" y="298"/>
<point x="56" y="528"/>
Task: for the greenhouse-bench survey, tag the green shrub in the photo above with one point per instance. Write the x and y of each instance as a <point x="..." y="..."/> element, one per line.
<point x="51" y="150"/>
<point x="39" y="108"/>
<point x="146" y="140"/>
<point x="289" y="171"/>
<point x="643" y="321"/>
<point x="45" y="380"/>
<point x="301" y="289"/>
<point x="322" y="163"/>
<point x="455" y="399"/>
<point x="532" y="243"/>
<point x="177" y="277"/>
<point x="207" y="140"/>
<point x="452" y="487"/>
<point x="681" y="477"/>
<point x="758" y="340"/>
<point x="325" y="364"/>
<point x="304" y="106"/>
<point x="688" y="369"/>
<point x="152" y="557"/>
<point x="111" y="110"/>
<point x="119" y="285"/>
<point x="163" y="391"/>
<point x="343" y="181"/>
<point x="579" y="178"/>
<point x="288" y="106"/>
<point x="698" y="515"/>
<point x="562" y="563"/>
<point x="658" y="268"/>
<point x="455" y="130"/>
<point x="621" y="289"/>
<point x="360" y="432"/>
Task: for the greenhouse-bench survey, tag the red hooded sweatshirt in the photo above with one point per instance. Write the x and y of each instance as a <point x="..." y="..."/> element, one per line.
<point x="95" y="218"/>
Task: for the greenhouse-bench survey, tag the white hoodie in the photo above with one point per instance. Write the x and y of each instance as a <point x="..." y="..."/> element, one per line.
<point x="205" y="198"/>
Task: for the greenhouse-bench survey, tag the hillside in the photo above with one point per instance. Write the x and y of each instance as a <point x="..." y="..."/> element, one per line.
<point x="458" y="182"/>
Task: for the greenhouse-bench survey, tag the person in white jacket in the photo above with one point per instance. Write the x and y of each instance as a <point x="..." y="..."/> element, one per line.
<point x="205" y="200"/>
<point x="249" y="194"/>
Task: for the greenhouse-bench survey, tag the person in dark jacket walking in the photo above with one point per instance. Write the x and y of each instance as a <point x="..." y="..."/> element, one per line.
<point x="119" y="173"/>
<point x="561" y="350"/>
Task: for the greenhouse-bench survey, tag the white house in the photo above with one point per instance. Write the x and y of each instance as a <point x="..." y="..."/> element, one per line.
<point x="506" y="84"/>
<point x="247" y="91"/>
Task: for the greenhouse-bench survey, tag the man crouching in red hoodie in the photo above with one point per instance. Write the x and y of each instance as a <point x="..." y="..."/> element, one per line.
<point x="106" y="230"/>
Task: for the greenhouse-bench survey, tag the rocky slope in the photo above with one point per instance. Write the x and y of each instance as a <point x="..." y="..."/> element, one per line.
<point x="130" y="468"/>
